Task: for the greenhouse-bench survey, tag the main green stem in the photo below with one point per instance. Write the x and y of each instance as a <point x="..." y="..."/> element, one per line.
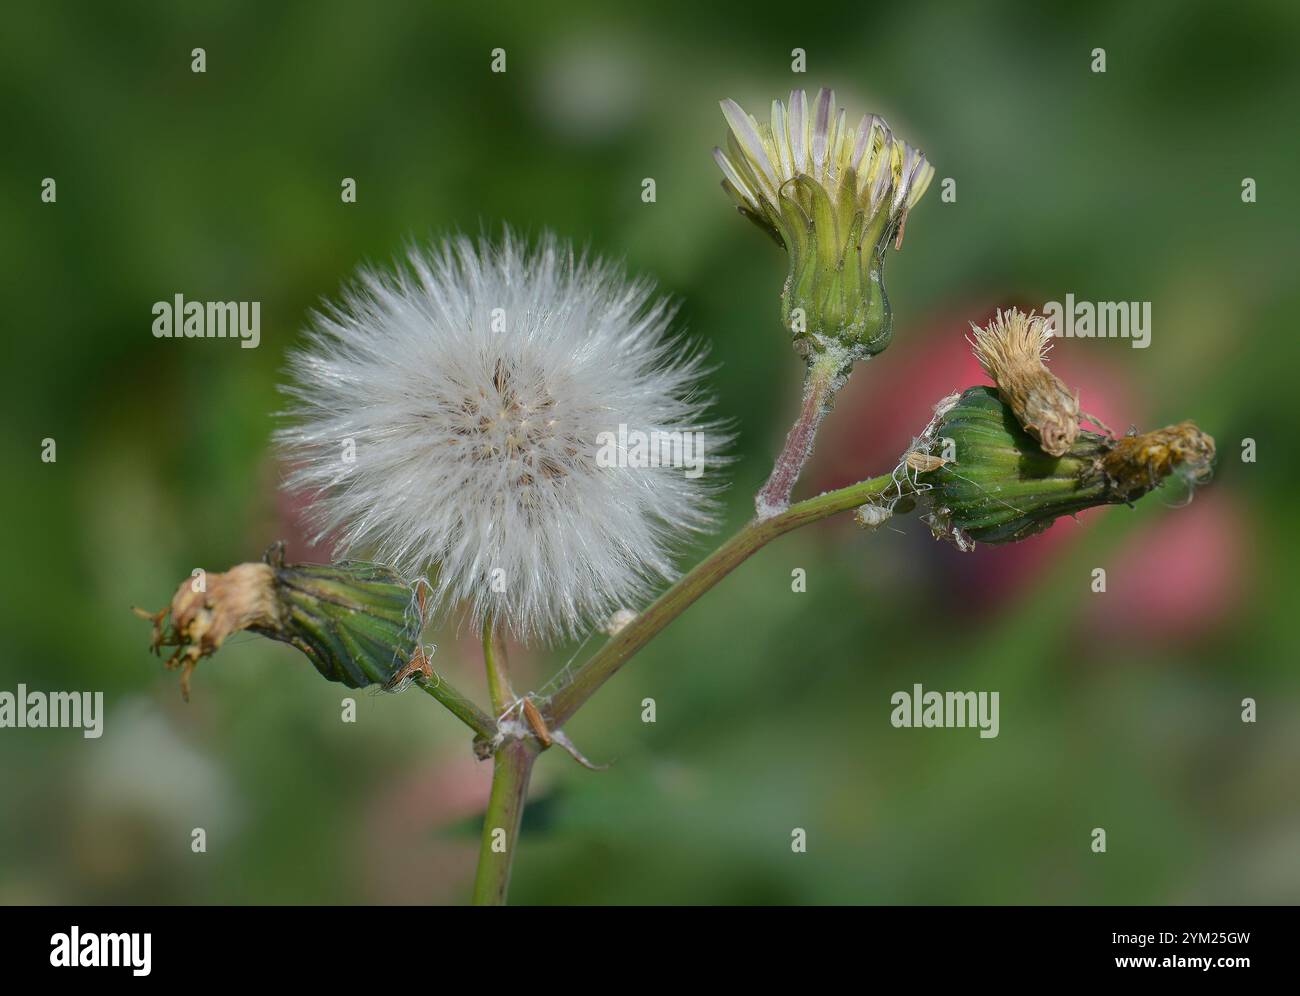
<point x="604" y="664"/>
<point x="512" y="766"/>
<point x="514" y="757"/>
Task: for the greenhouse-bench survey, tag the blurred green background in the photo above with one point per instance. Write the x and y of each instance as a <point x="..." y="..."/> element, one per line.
<point x="1118" y="710"/>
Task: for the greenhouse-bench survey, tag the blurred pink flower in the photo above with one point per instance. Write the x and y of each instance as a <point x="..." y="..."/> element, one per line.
<point x="1181" y="576"/>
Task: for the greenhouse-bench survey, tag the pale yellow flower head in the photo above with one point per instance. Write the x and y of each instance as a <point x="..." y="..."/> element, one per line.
<point x="835" y="197"/>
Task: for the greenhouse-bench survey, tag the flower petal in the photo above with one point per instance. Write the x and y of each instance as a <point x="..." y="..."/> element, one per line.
<point x="742" y="126"/>
<point x="799" y="130"/>
<point x="865" y="128"/>
<point x="730" y="172"/>
<point x="781" y="139"/>
<point x="821" y="126"/>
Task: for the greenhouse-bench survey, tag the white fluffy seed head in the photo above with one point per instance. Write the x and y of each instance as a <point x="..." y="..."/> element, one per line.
<point x="448" y="419"/>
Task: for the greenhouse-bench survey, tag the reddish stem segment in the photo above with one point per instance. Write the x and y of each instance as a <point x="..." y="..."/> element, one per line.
<point x="823" y="380"/>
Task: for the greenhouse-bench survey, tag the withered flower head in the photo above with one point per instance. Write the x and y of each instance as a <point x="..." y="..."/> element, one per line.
<point x="1136" y="463"/>
<point x="359" y="624"/>
<point x="999" y="486"/>
<point x="1012" y="349"/>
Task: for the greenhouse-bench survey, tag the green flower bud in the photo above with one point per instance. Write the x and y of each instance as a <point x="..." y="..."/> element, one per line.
<point x="989" y="481"/>
<point x="835" y="198"/>
<point x="359" y="624"/>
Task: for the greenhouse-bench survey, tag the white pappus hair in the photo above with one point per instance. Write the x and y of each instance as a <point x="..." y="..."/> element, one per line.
<point x="473" y="386"/>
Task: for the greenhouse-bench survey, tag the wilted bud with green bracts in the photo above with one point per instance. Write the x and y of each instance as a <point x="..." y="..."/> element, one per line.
<point x="989" y="481"/>
<point x="835" y="197"/>
<point x="359" y="624"/>
<point x="1012" y="349"/>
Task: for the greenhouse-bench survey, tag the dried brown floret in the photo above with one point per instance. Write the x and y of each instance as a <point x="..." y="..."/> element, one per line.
<point x="1137" y="463"/>
<point x="208" y="608"/>
<point x="1011" y="349"/>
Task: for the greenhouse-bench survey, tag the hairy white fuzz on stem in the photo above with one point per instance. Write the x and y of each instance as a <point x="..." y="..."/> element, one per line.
<point x="447" y="419"/>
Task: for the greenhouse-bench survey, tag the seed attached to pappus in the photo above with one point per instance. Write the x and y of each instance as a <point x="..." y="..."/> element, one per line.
<point x="536" y="723"/>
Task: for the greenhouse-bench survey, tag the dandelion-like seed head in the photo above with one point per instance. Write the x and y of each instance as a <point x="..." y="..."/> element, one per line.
<point x="448" y="420"/>
<point x="835" y="197"/>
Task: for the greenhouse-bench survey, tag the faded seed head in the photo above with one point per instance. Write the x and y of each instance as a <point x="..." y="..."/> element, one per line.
<point x="1012" y="348"/>
<point x="479" y="382"/>
<point x="511" y="423"/>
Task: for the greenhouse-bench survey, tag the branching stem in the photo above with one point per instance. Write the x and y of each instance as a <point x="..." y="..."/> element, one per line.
<point x="459" y="705"/>
<point x="516" y="751"/>
<point x="600" y="667"/>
